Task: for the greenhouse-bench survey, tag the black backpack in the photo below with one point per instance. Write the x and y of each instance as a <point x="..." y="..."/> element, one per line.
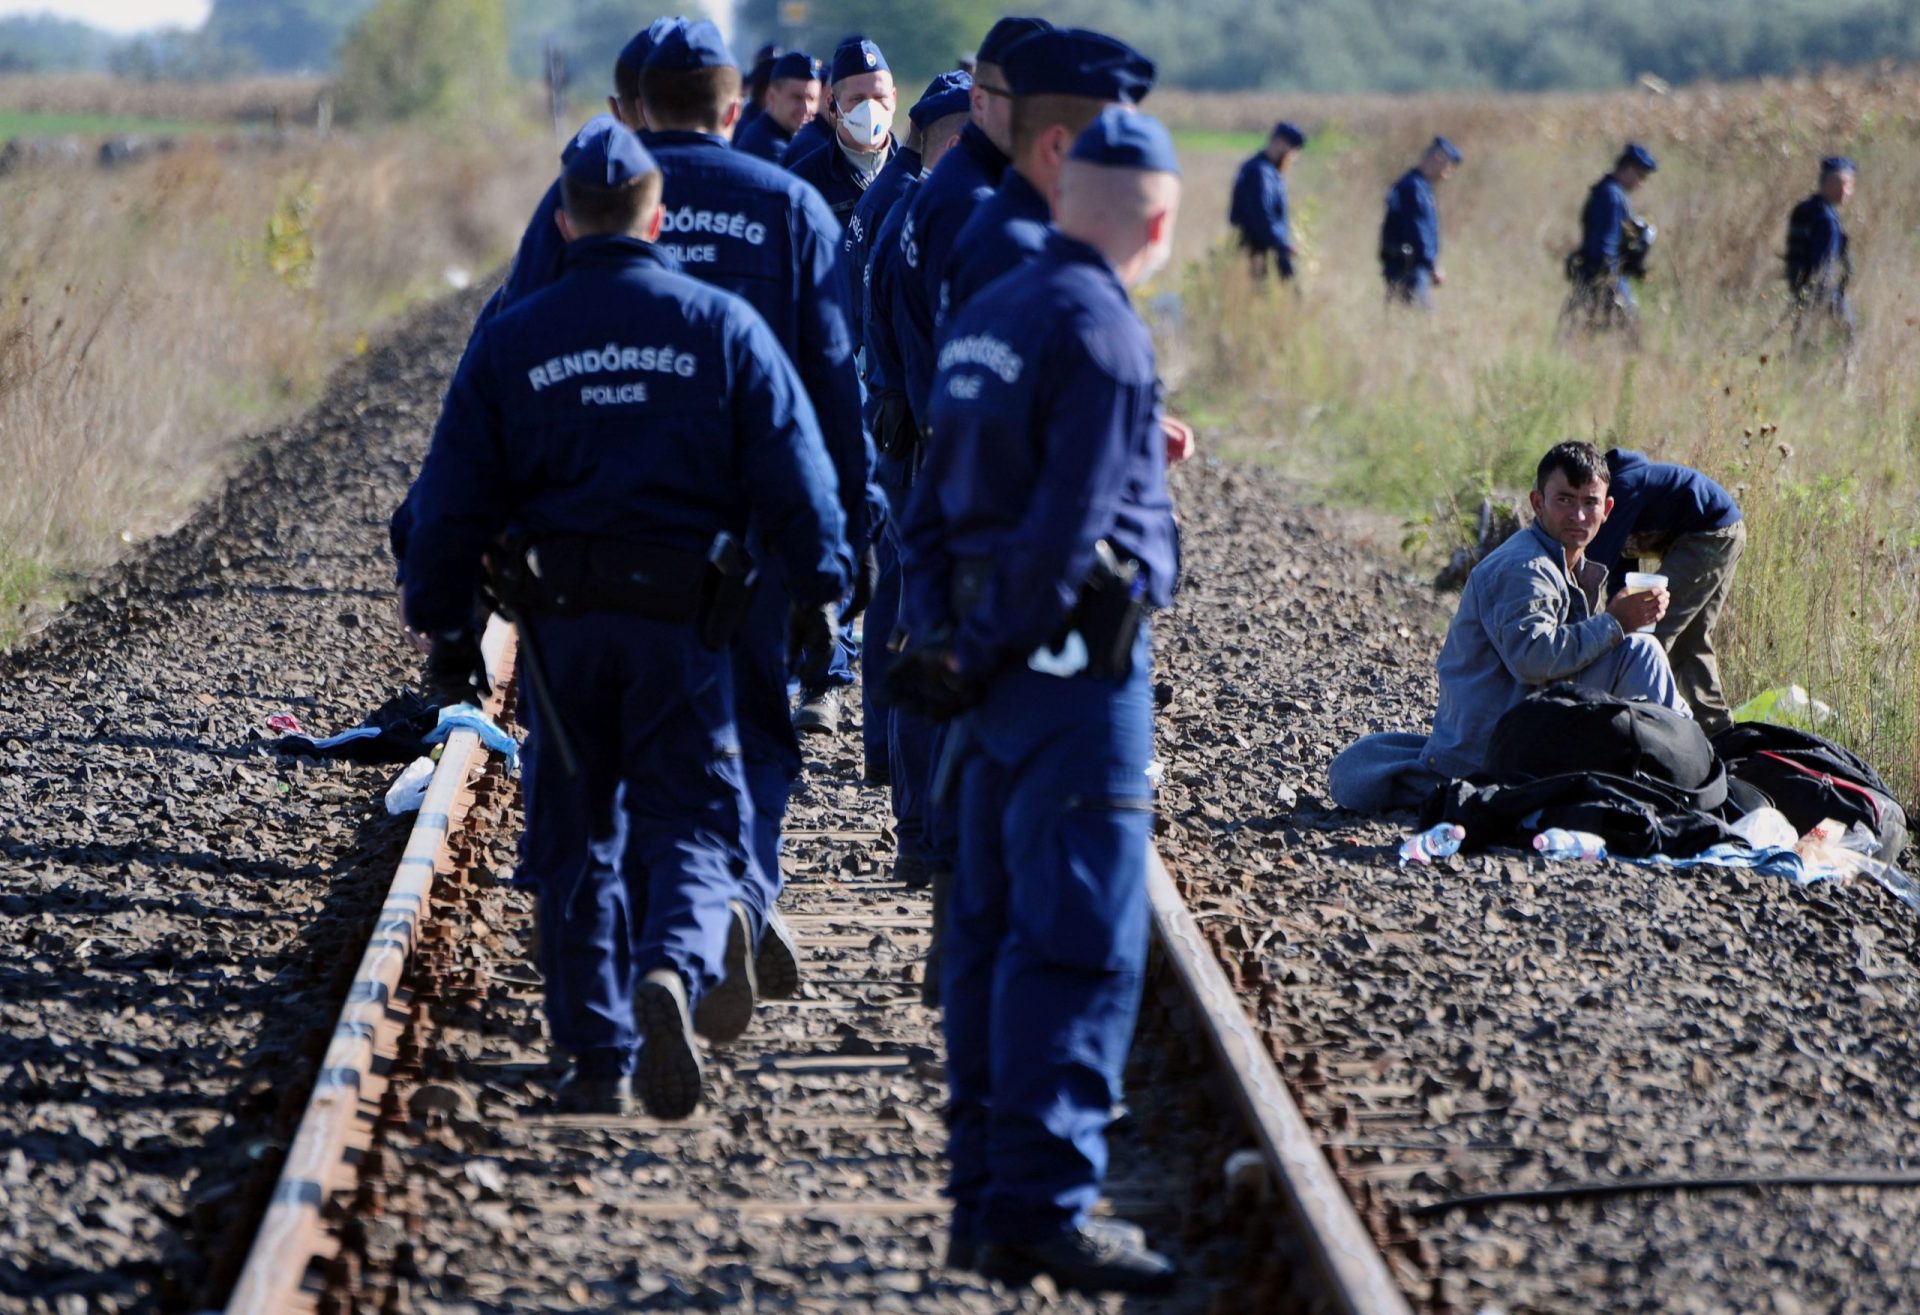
<point x="1809" y="779"/>
<point x="1567" y="728"/>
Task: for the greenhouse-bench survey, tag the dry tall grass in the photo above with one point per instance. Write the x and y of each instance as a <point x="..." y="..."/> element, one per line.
<point x="1421" y="415"/>
<point x="241" y="100"/>
<point x="149" y="314"/>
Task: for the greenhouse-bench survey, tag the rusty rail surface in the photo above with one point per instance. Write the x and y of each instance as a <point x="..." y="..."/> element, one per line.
<point x="347" y="1089"/>
<point x="1350" y="1262"/>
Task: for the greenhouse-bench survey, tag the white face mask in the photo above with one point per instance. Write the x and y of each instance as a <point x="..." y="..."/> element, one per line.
<point x="866" y="125"/>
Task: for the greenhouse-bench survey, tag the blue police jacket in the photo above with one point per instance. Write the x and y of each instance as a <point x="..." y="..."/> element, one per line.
<point x="536" y="262"/>
<point x="885" y="372"/>
<point x="965" y="176"/>
<point x="631" y="402"/>
<point x="832" y="175"/>
<point x="1602" y="223"/>
<point x="1410" y="236"/>
<point x="1009" y="229"/>
<point x="856" y="244"/>
<point x="764" y="139"/>
<point x="1045" y="442"/>
<point x="815" y="134"/>
<point x="1815" y="239"/>
<point x="1657" y="497"/>
<point x="1259" y="210"/>
<point x="742" y="224"/>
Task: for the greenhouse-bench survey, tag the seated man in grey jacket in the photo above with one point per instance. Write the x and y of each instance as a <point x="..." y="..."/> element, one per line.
<point x="1532" y="613"/>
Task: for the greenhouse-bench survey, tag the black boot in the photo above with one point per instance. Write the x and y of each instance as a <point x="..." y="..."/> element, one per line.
<point x="819" y="713"/>
<point x="579" y="1095"/>
<point x="1087" y="1259"/>
<point x="725" y="1011"/>
<point x="669" y="1077"/>
<point x="777" y="962"/>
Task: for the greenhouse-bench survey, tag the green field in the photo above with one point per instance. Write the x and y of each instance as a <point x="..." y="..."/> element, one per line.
<point x="28" y="123"/>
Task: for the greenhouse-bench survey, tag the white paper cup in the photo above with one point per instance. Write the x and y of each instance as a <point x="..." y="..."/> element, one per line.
<point x="1644" y="582"/>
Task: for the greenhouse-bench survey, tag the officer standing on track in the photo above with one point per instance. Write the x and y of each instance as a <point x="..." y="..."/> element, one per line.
<point x="1259" y="211"/>
<point x="1410" y="234"/>
<point x="793" y="98"/>
<point x="1818" y="266"/>
<point x="598" y="442"/>
<point x="744" y="225"/>
<point x="1060" y="80"/>
<point x="1041" y="532"/>
<point x="1612" y="245"/>
<point x="861" y="85"/>
<point x="938" y="119"/>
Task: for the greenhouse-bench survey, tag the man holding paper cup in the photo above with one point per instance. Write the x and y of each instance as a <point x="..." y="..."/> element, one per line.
<point x="1695" y="528"/>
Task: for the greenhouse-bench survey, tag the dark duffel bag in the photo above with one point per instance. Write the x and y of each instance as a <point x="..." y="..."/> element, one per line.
<point x="1564" y="727"/>
<point x="1810" y="778"/>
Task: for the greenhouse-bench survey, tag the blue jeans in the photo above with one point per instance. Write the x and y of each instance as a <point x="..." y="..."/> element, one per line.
<point x="1046" y="943"/>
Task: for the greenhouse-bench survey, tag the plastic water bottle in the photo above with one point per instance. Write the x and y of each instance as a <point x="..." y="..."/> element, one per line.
<point x="1435" y="842"/>
<point x="1559" y="843"/>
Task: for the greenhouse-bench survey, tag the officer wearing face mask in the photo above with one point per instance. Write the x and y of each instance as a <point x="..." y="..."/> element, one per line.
<point x="1060" y="81"/>
<point x="1038" y="538"/>
<point x="792" y="100"/>
<point x="861" y="85"/>
<point x="749" y="227"/>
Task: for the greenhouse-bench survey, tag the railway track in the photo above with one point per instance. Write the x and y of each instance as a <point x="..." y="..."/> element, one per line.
<point x="426" y="1176"/>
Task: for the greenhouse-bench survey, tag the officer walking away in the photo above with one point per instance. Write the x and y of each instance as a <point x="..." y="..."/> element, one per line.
<point x="1410" y="236"/>
<point x="1819" y="267"/>
<point x="603" y="444"/>
<point x="1039" y="536"/>
<point x="749" y="227"/>
<point x="1060" y="80"/>
<point x="1695" y="528"/>
<point x="792" y="99"/>
<point x="861" y="86"/>
<point x="1259" y="212"/>
<point x="1614" y="245"/>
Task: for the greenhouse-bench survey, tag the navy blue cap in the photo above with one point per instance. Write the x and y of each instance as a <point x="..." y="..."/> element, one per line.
<point x="1837" y="164"/>
<point x="1071" y="61"/>
<point x="1126" y="139"/>
<point x="795" y="64"/>
<point x="1001" y="36"/>
<point x="613" y="159"/>
<point x="1640" y="155"/>
<point x="1289" y="133"/>
<point x="692" y="46"/>
<point x="945" y="95"/>
<point x="598" y="126"/>
<point x="634" y="55"/>
<point x="854" y="56"/>
<point x="1446" y="148"/>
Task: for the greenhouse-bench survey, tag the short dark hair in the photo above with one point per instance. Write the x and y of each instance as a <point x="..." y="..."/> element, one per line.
<point x="593" y="210"/>
<point x="626" y="83"/>
<point x="1033" y="115"/>
<point x="689" y="98"/>
<point x="1581" y="462"/>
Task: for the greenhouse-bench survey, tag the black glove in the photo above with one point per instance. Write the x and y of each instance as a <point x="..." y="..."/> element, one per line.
<point x="810" y="641"/>
<point x="922" y="679"/>
<point x="866" y="579"/>
<point x="457" y="670"/>
<point x="894" y="430"/>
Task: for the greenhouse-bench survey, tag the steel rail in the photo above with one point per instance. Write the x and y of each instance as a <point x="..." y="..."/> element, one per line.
<point x="292" y="1232"/>
<point x="1356" y="1274"/>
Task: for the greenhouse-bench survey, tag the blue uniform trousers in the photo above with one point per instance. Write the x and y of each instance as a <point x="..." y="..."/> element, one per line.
<point x="770" y="749"/>
<point x="634" y="859"/>
<point x="1046" y="943"/>
<point x="1410" y="286"/>
<point x="883" y="615"/>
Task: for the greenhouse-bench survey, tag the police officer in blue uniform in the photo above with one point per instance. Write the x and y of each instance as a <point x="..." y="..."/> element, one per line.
<point x="759" y="78"/>
<point x="792" y="101"/>
<point x="599" y="440"/>
<point x="1818" y="266"/>
<point x="1060" y="79"/>
<point x="1613" y="245"/>
<point x="941" y="208"/>
<point x="1410" y="234"/>
<point x="745" y="225"/>
<point x="1038" y="537"/>
<point x="938" y="119"/>
<point x="1259" y="213"/>
<point x="864" y="99"/>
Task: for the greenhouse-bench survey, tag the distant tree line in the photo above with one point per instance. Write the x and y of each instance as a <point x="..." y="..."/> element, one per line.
<point x="1226" y="45"/>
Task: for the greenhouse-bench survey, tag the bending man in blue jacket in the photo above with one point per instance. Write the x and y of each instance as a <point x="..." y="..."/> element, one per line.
<point x="602" y="439"/>
<point x="1259" y="211"/>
